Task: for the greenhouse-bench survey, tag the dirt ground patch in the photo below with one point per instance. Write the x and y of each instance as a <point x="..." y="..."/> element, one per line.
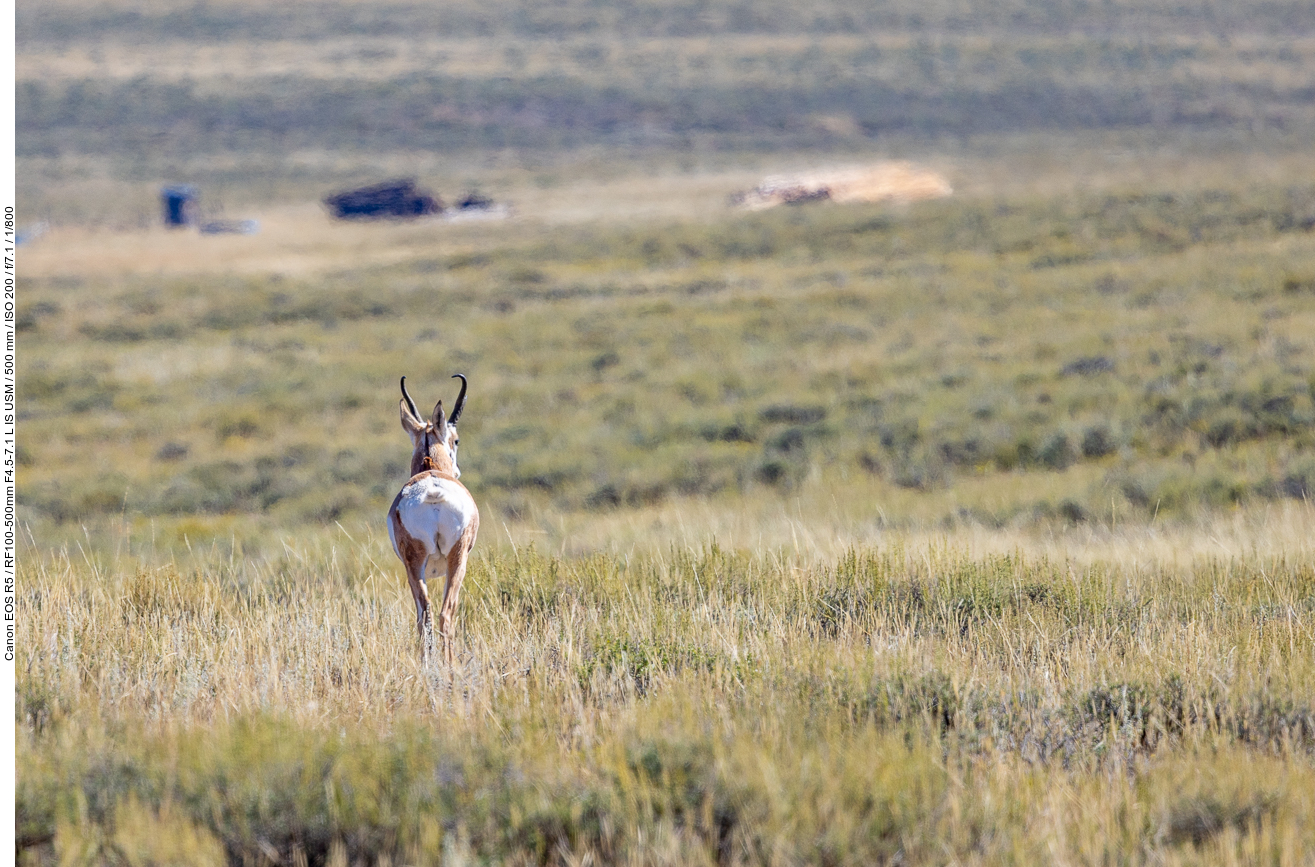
<point x="883" y="182"/>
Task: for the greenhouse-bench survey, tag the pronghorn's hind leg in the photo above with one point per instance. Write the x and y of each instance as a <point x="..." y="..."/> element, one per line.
<point x="415" y="557"/>
<point x="456" y="573"/>
<point x="415" y="577"/>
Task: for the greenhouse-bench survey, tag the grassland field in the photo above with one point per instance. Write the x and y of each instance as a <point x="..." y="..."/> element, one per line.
<point x="967" y="531"/>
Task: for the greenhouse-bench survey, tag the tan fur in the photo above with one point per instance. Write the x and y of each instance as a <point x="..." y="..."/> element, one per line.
<point x="441" y="438"/>
<point x="456" y="573"/>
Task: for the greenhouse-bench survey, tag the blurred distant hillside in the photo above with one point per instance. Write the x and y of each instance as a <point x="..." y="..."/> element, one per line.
<point x="147" y="80"/>
<point x="156" y="20"/>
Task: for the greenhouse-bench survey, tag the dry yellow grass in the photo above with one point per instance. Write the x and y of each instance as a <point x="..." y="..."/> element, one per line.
<point x="851" y="664"/>
<point x="827" y="519"/>
<point x="913" y="698"/>
<point x="822" y="687"/>
<point x="296" y="241"/>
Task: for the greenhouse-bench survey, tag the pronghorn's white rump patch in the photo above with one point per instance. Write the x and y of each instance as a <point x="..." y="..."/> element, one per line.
<point x="435" y="512"/>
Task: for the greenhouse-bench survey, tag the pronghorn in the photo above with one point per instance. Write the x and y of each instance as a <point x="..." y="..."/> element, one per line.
<point x="433" y="515"/>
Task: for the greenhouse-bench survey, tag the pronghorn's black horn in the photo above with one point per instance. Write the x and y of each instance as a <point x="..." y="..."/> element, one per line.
<point x="461" y="400"/>
<point x="411" y="404"/>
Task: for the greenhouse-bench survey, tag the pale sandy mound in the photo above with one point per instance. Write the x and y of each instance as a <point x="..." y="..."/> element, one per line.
<point x="884" y="182"/>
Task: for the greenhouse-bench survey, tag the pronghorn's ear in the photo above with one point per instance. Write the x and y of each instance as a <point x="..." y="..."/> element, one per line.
<point x="439" y="421"/>
<point x="410" y="423"/>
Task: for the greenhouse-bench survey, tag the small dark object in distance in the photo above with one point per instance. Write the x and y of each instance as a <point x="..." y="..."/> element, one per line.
<point x="1288" y="222"/>
<point x="770" y="194"/>
<point x="1088" y="366"/>
<point x="172" y="452"/>
<point x="179" y="201"/>
<point x="230" y="227"/>
<point x="474" y="201"/>
<point x="800" y="195"/>
<point x="398" y="199"/>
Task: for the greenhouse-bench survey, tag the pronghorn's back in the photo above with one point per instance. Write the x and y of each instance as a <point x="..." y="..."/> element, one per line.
<point x="433" y="520"/>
